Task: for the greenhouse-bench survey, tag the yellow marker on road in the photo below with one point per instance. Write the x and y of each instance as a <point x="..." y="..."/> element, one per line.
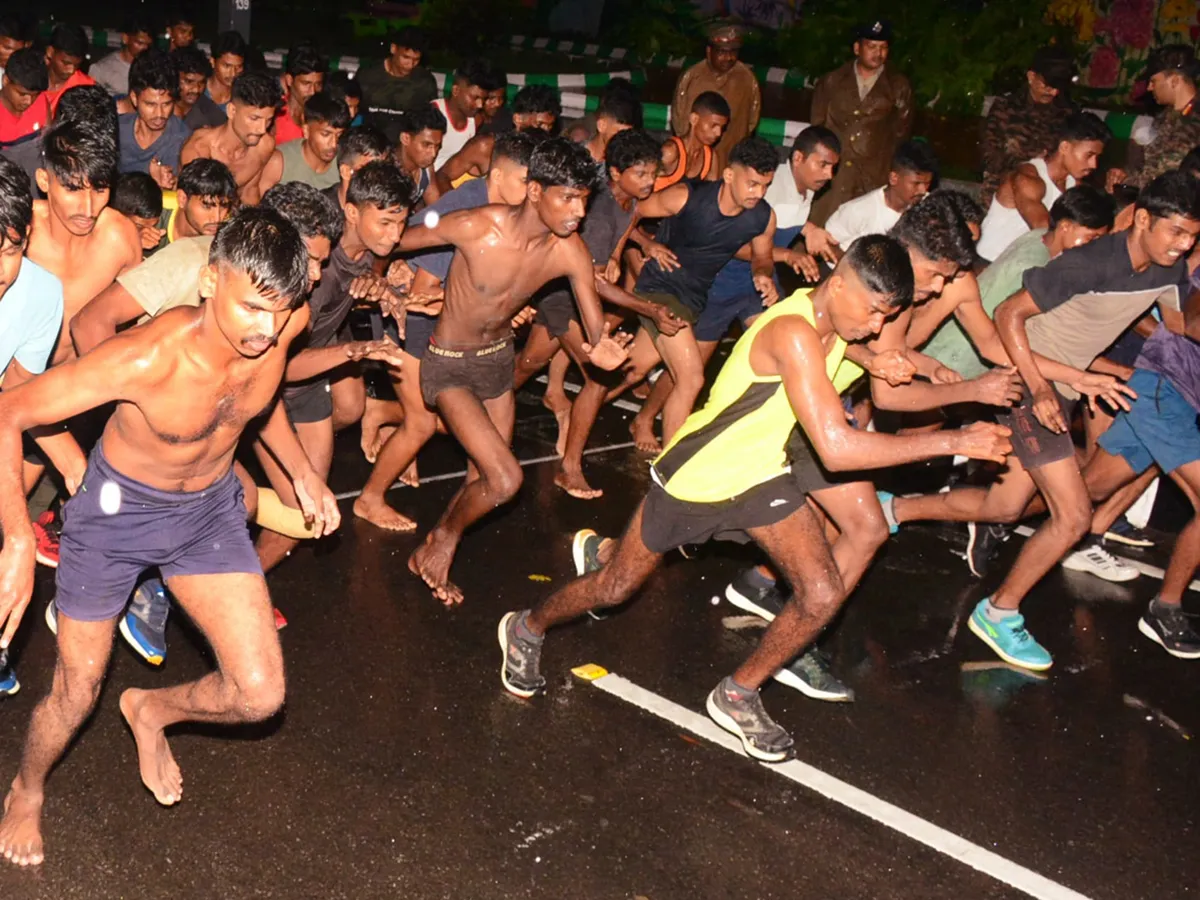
<point x="589" y="672"/>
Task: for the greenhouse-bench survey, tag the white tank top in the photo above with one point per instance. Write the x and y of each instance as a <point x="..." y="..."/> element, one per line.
<point x="1002" y="225"/>
<point x="454" y="139"/>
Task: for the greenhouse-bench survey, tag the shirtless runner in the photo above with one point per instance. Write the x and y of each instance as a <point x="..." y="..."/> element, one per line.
<point x="243" y="142"/>
<point x="505" y="253"/>
<point x="160" y="491"/>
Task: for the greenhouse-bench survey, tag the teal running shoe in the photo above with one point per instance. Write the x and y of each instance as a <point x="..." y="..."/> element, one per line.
<point x="1009" y="640"/>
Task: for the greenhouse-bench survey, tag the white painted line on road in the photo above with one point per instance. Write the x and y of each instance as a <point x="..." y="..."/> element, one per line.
<point x="1143" y="567"/>
<point x="914" y="827"/>
<point x="450" y="476"/>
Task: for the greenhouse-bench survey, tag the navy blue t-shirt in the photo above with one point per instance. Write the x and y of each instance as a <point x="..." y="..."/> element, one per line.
<point x="166" y="149"/>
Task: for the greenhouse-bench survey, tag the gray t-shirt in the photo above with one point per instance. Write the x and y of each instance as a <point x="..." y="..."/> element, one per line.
<point x="111" y="73"/>
<point x="166" y="147"/>
<point x="296" y="168"/>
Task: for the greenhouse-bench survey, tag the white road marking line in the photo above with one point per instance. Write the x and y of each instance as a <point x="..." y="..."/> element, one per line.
<point x="914" y="827"/>
<point x="450" y="476"/>
<point x="1143" y="567"/>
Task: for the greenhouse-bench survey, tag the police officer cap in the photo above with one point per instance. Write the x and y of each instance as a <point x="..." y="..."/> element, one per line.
<point x="878" y="30"/>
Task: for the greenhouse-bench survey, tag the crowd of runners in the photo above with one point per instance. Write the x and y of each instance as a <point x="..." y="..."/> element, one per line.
<point x="208" y="269"/>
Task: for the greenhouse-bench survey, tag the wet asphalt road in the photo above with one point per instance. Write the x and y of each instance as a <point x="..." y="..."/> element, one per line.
<point x="400" y="767"/>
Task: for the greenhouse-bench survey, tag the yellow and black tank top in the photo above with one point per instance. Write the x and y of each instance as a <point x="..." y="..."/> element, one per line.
<point x="738" y="440"/>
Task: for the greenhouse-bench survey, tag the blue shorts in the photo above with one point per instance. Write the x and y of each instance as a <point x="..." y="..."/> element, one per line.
<point x="725" y="306"/>
<point x="1160" y="427"/>
<point x="115" y="528"/>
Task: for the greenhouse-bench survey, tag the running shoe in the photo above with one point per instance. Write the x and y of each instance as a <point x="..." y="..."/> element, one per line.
<point x="746" y="720"/>
<point x="46" y="529"/>
<point x="983" y="541"/>
<point x="280" y="619"/>
<point x="1092" y="557"/>
<point x="52" y="618"/>
<point x="520" y="671"/>
<point x="8" y="678"/>
<point x="1009" y="640"/>
<point x="585" y="550"/>
<point x="752" y="592"/>
<point x="1171" y="628"/>
<point x="144" y="625"/>
<point x="885" y="500"/>
<point x="811" y="675"/>
<point x="1122" y="531"/>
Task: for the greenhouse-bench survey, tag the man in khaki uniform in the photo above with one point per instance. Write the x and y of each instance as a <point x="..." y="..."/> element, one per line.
<point x="720" y="71"/>
<point x="870" y="108"/>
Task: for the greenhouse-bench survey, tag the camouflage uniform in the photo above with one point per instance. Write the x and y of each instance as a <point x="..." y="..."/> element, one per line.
<point x="1175" y="134"/>
<point x="1015" y="131"/>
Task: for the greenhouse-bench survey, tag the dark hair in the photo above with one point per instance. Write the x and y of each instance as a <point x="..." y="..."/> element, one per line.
<point x="305" y="59"/>
<point x="816" y="136"/>
<point x="1083" y="205"/>
<point x="417" y="119"/>
<point x="937" y="231"/>
<point x="755" y="153"/>
<point x="27" y="68"/>
<point x="1191" y="163"/>
<point x="323" y="108"/>
<point x="229" y="42"/>
<point x="256" y="89"/>
<point x="915" y="156"/>
<point x="177" y="15"/>
<point x="560" y="162"/>
<point x="1083" y="126"/>
<point x="362" y="140"/>
<point x="537" y="98"/>
<point x="153" y="70"/>
<point x="883" y="266"/>
<point x="137" y="194"/>
<point x="268" y="248"/>
<point x="622" y="107"/>
<point x="205" y="177"/>
<point x="711" y="103"/>
<point x="630" y="147"/>
<point x="956" y="202"/>
<point x="489" y="76"/>
<point x="138" y="25"/>
<point x="13" y="27"/>
<point x="1171" y="194"/>
<point x="69" y="39"/>
<point x="381" y="184"/>
<point x="16" y="201"/>
<point x="88" y="103"/>
<point x="411" y="38"/>
<point x="339" y="86"/>
<point x="474" y="71"/>
<point x="517" y="146"/>
<point x="312" y="212"/>
<point x="80" y="152"/>
<point x="191" y="60"/>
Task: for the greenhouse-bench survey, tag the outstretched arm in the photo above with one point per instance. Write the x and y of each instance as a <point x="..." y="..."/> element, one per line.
<point x="666" y="202"/>
<point x="453" y="229"/>
<point x="102" y="316"/>
<point x="316" y="500"/>
<point x="473" y="159"/>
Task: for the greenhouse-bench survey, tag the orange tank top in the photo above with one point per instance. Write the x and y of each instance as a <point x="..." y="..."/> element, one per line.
<point x="665" y="181"/>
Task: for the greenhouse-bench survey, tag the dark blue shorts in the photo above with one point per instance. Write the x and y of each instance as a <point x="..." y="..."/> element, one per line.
<point x="115" y="528"/>
<point x="723" y="308"/>
<point x="1160" y="427"/>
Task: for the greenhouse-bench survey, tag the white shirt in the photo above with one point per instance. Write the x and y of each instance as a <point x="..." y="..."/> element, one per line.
<point x="791" y="207"/>
<point x="454" y="139"/>
<point x="1004" y="224"/>
<point x="868" y="214"/>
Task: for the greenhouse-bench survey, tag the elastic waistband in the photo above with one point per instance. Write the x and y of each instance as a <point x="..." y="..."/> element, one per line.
<point x="99" y="462"/>
<point x="471" y="352"/>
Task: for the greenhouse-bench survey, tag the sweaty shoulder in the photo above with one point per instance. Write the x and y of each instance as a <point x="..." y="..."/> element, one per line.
<point x="786" y="338"/>
<point x="114" y="230"/>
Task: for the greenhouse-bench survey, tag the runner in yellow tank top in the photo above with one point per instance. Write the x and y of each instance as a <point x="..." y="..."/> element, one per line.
<point x="737" y="448"/>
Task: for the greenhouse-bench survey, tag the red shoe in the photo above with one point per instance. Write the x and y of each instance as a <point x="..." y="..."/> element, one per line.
<point x="45" y="531"/>
<point x="280" y="621"/>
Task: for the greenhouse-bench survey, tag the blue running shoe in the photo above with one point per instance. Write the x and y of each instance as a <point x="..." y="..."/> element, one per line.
<point x="1009" y="639"/>
<point x="8" y="678"/>
<point x="144" y="625"/>
<point x="885" y="500"/>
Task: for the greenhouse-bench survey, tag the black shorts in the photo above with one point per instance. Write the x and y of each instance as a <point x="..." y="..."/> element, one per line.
<point x="556" y="312"/>
<point x="1033" y="443"/>
<point x="668" y="522"/>
<point x="487" y="371"/>
<point x="309" y="402"/>
<point x="807" y="469"/>
<point x="671" y="302"/>
<point x="418" y="329"/>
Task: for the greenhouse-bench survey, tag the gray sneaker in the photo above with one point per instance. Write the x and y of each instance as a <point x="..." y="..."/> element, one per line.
<point x="520" y="670"/>
<point x="810" y="674"/>
<point x="746" y="719"/>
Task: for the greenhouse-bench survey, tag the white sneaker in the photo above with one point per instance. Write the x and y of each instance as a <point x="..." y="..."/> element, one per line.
<point x="1093" y="558"/>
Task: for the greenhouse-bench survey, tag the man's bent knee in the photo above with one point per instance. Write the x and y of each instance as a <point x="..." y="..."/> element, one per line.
<point x="259" y="696"/>
<point x="505" y="482"/>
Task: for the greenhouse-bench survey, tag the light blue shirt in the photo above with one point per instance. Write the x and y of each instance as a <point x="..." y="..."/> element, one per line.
<point x="31" y="315"/>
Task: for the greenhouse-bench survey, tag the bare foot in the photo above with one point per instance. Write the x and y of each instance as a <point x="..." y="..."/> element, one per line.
<point x="431" y="563"/>
<point x="21" y="828"/>
<point x="576" y="485"/>
<point x="373" y="442"/>
<point x="160" y="773"/>
<point x="560" y="405"/>
<point x="381" y="515"/>
<point x="643" y="435"/>
<point x="410" y="475"/>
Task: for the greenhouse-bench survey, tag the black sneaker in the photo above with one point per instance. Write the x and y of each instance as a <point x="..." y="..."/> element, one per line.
<point x="746" y="719"/>
<point x="520" y="670"/>
<point x="982" y="542"/>
<point x="747" y="591"/>
<point x="810" y="674"/>
<point x="1171" y="628"/>
<point x="1123" y="532"/>
<point x="585" y="552"/>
